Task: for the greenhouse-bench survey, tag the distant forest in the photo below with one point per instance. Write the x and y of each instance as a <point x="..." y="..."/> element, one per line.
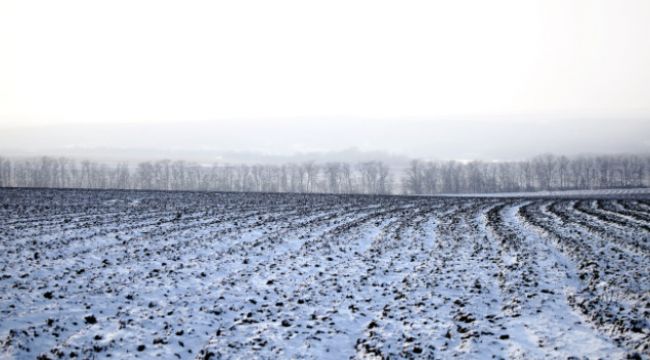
<point x="545" y="172"/>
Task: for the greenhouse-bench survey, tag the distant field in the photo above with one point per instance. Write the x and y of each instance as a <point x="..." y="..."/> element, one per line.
<point x="595" y="193"/>
<point x="126" y="274"/>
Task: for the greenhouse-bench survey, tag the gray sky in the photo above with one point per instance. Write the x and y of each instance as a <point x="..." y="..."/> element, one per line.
<point x="453" y="79"/>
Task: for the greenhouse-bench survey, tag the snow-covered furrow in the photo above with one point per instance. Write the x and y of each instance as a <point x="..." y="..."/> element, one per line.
<point x="636" y="206"/>
<point x="75" y="237"/>
<point x="547" y="317"/>
<point x="144" y="274"/>
<point x="574" y="214"/>
<point x="44" y="223"/>
<point x="611" y="251"/>
<point x="623" y="209"/>
<point x="644" y="204"/>
<point x="612" y="286"/>
<point x="534" y="282"/>
<point x="595" y="209"/>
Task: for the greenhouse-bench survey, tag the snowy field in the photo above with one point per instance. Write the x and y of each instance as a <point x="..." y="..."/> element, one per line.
<point x="139" y="274"/>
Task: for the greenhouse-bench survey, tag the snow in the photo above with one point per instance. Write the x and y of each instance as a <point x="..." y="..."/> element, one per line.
<point x="622" y="192"/>
<point x="132" y="274"/>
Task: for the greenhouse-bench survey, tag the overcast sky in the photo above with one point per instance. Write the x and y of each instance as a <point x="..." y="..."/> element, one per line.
<point x="452" y="79"/>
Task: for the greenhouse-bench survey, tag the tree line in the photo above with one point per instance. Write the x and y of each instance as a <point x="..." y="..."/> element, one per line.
<point x="372" y="177"/>
<point x="541" y="173"/>
<point x="545" y="172"/>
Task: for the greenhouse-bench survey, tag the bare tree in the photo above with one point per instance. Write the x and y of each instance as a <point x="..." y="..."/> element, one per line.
<point x="413" y="178"/>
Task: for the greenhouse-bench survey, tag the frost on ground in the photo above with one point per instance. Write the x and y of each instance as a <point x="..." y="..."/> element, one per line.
<point x="140" y="274"/>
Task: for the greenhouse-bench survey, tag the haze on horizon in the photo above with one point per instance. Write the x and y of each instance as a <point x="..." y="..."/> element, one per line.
<point x="450" y="80"/>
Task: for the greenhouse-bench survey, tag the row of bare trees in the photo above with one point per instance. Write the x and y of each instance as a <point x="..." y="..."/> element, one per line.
<point x="371" y="177"/>
<point x="546" y="172"/>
